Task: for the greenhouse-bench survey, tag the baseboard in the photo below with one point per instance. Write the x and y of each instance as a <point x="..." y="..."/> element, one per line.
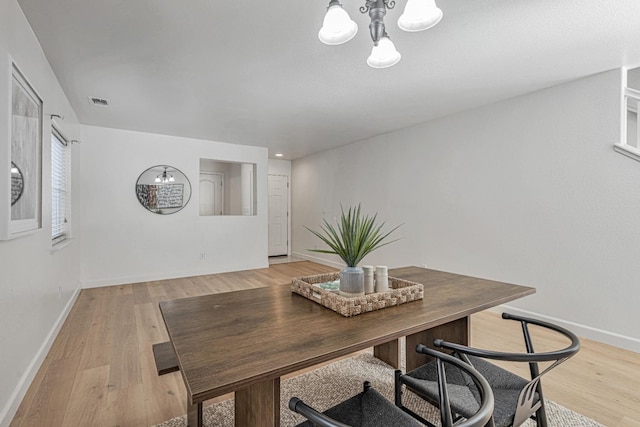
<point x="303" y="255"/>
<point x="10" y="409"/>
<point x="125" y="280"/>
<point x="595" y="334"/>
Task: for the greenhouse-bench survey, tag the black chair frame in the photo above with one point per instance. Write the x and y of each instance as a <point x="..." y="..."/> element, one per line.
<point x="318" y="418"/>
<point x="483" y="417"/>
<point x="530" y="403"/>
<point x="386" y="413"/>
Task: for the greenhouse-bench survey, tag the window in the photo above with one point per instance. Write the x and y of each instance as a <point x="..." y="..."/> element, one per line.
<point x="630" y="138"/>
<point x="60" y="205"/>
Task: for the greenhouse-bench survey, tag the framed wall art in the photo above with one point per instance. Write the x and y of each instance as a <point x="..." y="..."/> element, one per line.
<point x="21" y="152"/>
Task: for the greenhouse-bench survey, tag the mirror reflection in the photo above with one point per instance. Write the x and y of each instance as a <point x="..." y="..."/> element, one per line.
<point x="227" y="188"/>
<point x="17" y="183"/>
<point x="163" y="189"/>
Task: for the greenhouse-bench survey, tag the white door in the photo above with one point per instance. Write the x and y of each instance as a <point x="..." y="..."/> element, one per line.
<point x="278" y="215"/>
<point x="211" y="193"/>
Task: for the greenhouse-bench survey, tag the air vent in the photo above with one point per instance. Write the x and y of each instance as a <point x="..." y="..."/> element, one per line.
<point x="99" y="102"/>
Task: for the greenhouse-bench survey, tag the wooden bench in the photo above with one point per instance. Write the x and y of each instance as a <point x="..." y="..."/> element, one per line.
<point x="165" y="358"/>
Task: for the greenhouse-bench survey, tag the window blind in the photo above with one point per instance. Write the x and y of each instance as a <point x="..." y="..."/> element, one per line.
<point x="59" y="196"/>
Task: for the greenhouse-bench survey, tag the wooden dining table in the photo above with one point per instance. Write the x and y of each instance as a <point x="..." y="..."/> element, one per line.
<point x="245" y="341"/>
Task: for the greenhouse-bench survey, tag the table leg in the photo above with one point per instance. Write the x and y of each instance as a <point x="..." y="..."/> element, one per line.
<point x="457" y="331"/>
<point x="194" y="415"/>
<point x="389" y="353"/>
<point x="258" y="405"/>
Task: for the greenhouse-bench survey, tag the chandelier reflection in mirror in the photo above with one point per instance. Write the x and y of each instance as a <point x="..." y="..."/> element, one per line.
<point x="164" y="177"/>
<point x="339" y="28"/>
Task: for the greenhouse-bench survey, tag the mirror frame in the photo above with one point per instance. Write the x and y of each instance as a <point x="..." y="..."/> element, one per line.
<point x="179" y="188"/>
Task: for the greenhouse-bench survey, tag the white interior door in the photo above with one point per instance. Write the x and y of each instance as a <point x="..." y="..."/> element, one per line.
<point x="211" y="193"/>
<point x="278" y="215"/>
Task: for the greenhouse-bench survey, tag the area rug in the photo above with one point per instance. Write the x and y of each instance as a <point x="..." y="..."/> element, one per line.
<point x="328" y="385"/>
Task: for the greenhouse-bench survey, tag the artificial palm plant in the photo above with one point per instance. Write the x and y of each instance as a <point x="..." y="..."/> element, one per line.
<point x="354" y="236"/>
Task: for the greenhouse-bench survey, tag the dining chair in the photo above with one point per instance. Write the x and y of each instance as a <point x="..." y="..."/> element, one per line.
<point x="516" y="398"/>
<point x="371" y="409"/>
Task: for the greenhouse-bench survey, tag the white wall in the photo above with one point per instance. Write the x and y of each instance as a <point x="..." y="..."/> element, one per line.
<point x="279" y="167"/>
<point x="37" y="287"/>
<point x="124" y="243"/>
<point x="528" y="191"/>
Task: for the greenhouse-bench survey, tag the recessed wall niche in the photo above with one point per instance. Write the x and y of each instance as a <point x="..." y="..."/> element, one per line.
<point x="227" y="188"/>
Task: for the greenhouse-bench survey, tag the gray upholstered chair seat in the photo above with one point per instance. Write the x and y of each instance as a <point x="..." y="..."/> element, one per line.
<point x="368" y="408"/>
<point x="464" y="394"/>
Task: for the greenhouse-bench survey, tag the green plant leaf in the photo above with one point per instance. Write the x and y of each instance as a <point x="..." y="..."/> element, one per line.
<point x="354" y="237"/>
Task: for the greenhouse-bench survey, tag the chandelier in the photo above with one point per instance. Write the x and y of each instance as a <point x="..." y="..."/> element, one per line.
<point x="165" y="177"/>
<point x="339" y="28"/>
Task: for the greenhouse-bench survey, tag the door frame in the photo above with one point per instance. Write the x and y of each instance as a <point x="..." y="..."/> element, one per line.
<point x="221" y="174"/>
<point x="288" y="210"/>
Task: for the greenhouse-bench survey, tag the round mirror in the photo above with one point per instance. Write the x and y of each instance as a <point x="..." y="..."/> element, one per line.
<point x="17" y="183"/>
<point x="163" y="189"/>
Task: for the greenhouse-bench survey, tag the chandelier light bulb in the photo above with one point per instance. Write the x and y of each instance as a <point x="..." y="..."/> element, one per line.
<point x="384" y="54"/>
<point x="338" y="27"/>
<point x="14" y="170"/>
<point x="164" y="177"/>
<point x="419" y="15"/>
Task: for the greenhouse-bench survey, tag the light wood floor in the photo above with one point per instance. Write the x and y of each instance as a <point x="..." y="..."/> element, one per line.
<point x="100" y="370"/>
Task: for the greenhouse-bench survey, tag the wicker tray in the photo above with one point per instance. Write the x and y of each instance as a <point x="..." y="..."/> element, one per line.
<point x="400" y="291"/>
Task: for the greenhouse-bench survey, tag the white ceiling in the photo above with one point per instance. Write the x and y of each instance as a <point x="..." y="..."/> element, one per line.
<point x="255" y="73"/>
